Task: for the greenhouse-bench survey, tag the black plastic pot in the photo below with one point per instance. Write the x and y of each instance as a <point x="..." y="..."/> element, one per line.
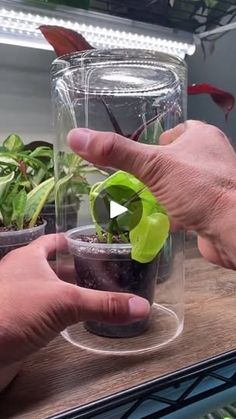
<point x="110" y="268"/>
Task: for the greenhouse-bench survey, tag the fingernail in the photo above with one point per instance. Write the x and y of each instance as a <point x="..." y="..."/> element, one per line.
<point x="138" y="307"/>
<point x="78" y="139"/>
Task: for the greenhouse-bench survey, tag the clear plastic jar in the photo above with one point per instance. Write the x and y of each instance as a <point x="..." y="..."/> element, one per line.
<point x="138" y="94"/>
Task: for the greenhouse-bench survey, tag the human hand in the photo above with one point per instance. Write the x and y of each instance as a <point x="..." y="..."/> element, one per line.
<point x="35" y="305"/>
<point x="192" y="173"/>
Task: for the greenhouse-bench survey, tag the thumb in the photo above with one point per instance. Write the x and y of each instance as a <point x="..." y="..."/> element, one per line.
<point x="83" y="304"/>
<point x="112" y="150"/>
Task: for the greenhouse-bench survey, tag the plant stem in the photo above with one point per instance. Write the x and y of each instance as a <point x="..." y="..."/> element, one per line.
<point x="99" y="232"/>
<point x="120" y="234"/>
<point x="124" y="238"/>
<point x="109" y="232"/>
<point x="109" y="237"/>
<point x="113" y="120"/>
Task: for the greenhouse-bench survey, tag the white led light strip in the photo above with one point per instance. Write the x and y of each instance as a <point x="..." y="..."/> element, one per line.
<point x="21" y="28"/>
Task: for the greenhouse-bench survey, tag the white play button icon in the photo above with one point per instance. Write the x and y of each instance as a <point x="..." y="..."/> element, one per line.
<point x="116" y="209"/>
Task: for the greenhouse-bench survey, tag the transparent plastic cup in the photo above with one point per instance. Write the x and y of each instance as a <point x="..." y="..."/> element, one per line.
<point x="11" y="240"/>
<point x="137" y="94"/>
<point x="109" y="267"/>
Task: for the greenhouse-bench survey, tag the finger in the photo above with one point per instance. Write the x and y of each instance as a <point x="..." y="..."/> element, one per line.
<point x="118" y="308"/>
<point x="49" y="244"/>
<point x="173" y="134"/>
<point x="110" y="149"/>
<point x="208" y="251"/>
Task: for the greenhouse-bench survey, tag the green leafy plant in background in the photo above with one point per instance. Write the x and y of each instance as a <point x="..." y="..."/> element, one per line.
<point x="73" y="171"/>
<point x="149" y="235"/>
<point x="21" y="200"/>
<point x="27" y="181"/>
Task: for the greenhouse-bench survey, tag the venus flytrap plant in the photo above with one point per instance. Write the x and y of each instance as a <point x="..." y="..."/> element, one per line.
<point x="149" y="235"/>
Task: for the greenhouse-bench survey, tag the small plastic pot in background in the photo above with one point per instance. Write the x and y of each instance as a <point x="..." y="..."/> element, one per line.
<point x="11" y="240"/>
<point x="49" y="215"/>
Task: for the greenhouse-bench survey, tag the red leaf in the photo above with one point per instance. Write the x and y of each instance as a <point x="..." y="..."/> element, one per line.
<point x="223" y="99"/>
<point x="63" y="40"/>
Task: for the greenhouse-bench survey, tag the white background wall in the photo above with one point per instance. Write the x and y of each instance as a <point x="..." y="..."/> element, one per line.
<point x="25" y="105"/>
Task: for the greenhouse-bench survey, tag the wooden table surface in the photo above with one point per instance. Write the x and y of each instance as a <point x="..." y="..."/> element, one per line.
<point x="61" y="376"/>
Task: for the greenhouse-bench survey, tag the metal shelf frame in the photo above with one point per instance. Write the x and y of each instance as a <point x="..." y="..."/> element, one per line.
<point x="190" y="15"/>
<point x="165" y="395"/>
